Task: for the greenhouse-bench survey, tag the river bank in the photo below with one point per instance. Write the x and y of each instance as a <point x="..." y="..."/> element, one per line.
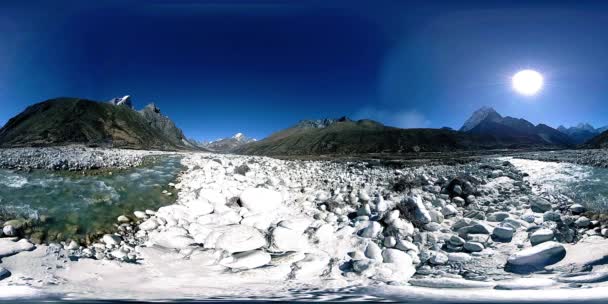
<point x="258" y="227"/>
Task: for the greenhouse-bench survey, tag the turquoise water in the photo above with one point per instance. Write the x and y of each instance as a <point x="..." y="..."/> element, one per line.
<point x="61" y="206"/>
<point x="584" y="184"/>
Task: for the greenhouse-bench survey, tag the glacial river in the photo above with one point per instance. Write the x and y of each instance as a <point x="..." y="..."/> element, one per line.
<point x="584" y="184"/>
<point x="68" y="205"/>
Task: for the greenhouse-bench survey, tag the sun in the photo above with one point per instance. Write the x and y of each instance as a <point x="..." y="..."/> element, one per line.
<point x="527" y="82"/>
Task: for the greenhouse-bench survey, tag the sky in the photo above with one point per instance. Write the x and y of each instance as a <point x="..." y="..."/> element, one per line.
<point x="258" y="66"/>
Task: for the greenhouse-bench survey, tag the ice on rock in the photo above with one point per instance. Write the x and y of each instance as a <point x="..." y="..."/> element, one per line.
<point x="259" y="200"/>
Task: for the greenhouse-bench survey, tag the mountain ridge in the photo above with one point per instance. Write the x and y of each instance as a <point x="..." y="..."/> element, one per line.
<point x="71" y="120"/>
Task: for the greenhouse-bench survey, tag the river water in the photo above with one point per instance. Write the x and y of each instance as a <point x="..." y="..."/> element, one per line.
<point x="584" y="184"/>
<point x="62" y="206"/>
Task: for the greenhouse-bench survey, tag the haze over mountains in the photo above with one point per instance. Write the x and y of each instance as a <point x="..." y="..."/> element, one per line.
<point x="117" y="124"/>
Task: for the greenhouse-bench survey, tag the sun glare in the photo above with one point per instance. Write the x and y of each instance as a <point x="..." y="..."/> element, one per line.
<point x="527" y="82"/>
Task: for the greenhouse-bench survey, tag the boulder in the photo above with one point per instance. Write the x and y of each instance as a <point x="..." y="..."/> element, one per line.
<point x="111" y="239"/>
<point x="4" y="273"/>
<point x="540" y="205"/>
<point x="258" y="200"/>
<point x="372" y="230"/>
<point x="9" y="247"/>
<point x="149" y="224"/>
<point x="419" y="211"/>
<point x="503" y="233"/>
<point x="240" y="238"/>
<point x="373" y="251"/>
<point x="9" y="230"/>
<point x="473" y="246"/>
<point x="536" y="258"/>
<point x="582" y="222"/>
<point x="285" y="239"/>
<point x="577" y="209"/>
<point x="541" y="235"/>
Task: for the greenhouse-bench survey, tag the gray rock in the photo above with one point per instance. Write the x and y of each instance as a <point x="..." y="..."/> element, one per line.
<point x="503" y="233"/>
<point x="456" y="240"/>
<point x="552" y="216"/>
<point x="421" y="214"/>
<point x="9" y="230"/>
<point x="438" y="258"/>
<point x="582" y="222"/>
<point x="541" y="236"/>
<point x="372" y="230"/>
<point x="536" y="257"/>
<point x="473" y="246"/>
<point x="540" y="205"/>
<point x="4" y="273"/>
<point x="449" y="210"/>
<point x="577" y="209"/>
<point x="373" y="252"/>
<point x="498" y="216"/>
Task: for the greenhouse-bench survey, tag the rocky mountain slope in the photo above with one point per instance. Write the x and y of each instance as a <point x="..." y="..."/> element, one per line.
<point x="63" y="121"/>
<point x="345" y="136"/>
<point x="599" y="141"/>
<point x="229" y="144"/>
<point x="508" y="130"/>
<point x="582" y="132"/>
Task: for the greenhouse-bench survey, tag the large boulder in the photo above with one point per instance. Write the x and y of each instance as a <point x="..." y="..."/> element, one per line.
<point x="9" y="247"/>
<point x="416" y="208"/>
<point x="258" y="200"/>
<point x="536" y="258"/>
<point x="240" y="238"/>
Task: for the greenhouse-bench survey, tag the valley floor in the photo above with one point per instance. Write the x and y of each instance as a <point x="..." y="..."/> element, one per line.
<point x="255" y="228"/>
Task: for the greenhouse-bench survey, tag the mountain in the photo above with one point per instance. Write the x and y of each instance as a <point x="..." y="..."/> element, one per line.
<point x="163" y="123"/>
<point x="599" y="141"/>
<point x="344" y="136"/>
<point x="513" y="131"/>
<point x="483" y="114"/>
<point x="65" y="120"/>
<point x="582" y="132"/>
<point x="228" y="144"/>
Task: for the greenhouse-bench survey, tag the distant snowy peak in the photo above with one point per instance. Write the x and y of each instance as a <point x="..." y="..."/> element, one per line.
<point x="228" y="144"/>
<point x="483" y="114"/>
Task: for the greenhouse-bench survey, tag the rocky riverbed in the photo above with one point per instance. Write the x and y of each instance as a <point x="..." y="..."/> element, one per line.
<point x="73" y="158"/>
<point x="246" y="227"/>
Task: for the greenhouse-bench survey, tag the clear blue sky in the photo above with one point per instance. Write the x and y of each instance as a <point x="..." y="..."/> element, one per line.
<point x="222" y="67"/>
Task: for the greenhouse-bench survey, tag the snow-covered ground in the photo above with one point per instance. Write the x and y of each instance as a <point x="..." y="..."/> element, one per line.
<point x="260" y="228"/>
